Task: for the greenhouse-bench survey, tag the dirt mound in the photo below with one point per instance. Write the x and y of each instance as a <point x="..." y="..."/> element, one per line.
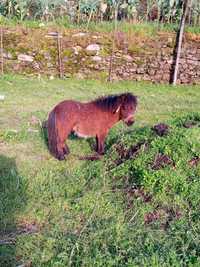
<point x="130" y="153"/>
<point x="137" y="193"/>
<point x="131" y="193"/>
<point x="161" y="161"/>
<point x="90" y="157"/>
<point x="191" y="124"/>
<point x="164" y="215"/>
<point x="194" y="161"/>
<point x="161" y="129"/>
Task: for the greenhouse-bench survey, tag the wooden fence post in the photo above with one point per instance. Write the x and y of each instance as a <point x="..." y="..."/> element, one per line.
<point x="1" y="44"/>
<point x="179" y="40"/>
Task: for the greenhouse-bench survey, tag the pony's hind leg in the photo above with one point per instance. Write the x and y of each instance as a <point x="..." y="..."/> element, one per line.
<point x="63" y="130"/>
<point x="63" y="149"/>
<point x="60" y="152"/>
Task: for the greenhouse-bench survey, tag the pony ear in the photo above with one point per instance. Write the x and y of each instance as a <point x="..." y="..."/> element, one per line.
<point x="118" y="109"/>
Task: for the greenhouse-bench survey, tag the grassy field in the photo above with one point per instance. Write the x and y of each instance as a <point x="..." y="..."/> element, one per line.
<point x="123" y="210"/>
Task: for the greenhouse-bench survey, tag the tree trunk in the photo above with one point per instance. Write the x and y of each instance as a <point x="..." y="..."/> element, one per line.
<point x="179" y="40"/>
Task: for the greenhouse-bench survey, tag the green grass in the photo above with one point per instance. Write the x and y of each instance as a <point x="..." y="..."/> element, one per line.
<point x="147" y="29"/>
<point x="84" y="213"/>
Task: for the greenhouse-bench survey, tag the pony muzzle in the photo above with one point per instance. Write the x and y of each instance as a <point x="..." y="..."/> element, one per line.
<point x="129" y="121"/>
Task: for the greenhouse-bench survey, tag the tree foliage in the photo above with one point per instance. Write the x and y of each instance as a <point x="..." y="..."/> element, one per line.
<point x="168" y="11"/>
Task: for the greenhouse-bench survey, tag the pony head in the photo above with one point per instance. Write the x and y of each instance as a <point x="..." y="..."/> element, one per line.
<point x="127" y="108"/>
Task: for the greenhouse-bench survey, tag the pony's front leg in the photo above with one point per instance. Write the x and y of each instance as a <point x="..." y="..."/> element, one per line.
<point x="100" y="139"/>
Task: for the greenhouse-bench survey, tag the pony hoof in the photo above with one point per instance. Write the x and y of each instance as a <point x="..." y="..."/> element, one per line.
<point x="61" y="157"/>
<point x="66" y="151"/>
<point x="100" y="153"/>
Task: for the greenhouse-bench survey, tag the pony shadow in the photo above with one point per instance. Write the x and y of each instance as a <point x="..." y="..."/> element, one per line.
<point x="44" y="133"/>
<point x="12" y="199"/>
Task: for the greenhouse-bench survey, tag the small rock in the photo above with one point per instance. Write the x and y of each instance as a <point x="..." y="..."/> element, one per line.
<point x="2" y="97"/>
<point x="16" y="67"/>
<point x="184" y="66"/>
<point x="32" y="130"/>
<point x="138" y="78"/>
<point x="146" y="78"/>
<point x="77" y="49"/>
<point x="79" y="76"/>
<point x="184" y="80"/>
<point x="65" y="59"/>
<point x="114" y="77"/>
<point x="169" y="39"/>
<point x="166" y="76"/>
<point x="79" y="34"/>
<point x="7" y="55"/>
<point x="41" y="25"/>
<point x="36" y="66"/>
<point x="23" y="57"/>
<point x="132" y="70"/>
<point x="169" y="61"/>
<point x="34" y="120"/>
<point x="47" y="56"/>
<point x="14" y="131"/>
<point x="103" y="7"/>
<point x="151" y="71"/>
<point x="127" y="58"/>
<point x="96" y="58"/>
<point x="49" y="65"/>
<point x="93" y="49"/>
<point x="126" y="75"/>
<point x="140" y="71"/>
<point x="118" y="54"/>
<point x="95" y="37"/>
<point x="52" y="34"/>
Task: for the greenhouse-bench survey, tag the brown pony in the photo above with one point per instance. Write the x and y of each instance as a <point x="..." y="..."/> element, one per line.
<point x="92" y="119"/>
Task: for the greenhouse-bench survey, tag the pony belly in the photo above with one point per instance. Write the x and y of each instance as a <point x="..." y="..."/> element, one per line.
<point x="82" y="135"/>
<point x="81" y="132"/>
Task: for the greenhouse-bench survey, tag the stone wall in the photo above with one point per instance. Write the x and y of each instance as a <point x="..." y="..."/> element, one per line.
<point x="158" y="68"/>
<point x="87" y="55"/>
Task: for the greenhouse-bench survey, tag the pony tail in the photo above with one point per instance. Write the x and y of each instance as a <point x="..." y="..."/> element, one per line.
<point x="52" y="134"/>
